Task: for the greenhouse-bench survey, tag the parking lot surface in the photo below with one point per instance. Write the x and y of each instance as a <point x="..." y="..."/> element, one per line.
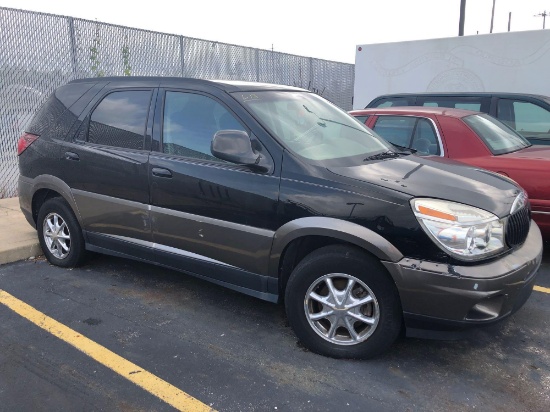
<point x="233" y="352"/>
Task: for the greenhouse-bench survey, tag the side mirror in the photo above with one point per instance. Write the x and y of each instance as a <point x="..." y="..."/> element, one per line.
<point x="235" y="146"/>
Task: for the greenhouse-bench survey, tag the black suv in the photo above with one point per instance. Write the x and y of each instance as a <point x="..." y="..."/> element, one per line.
<point x="272" y="191"/>
<point x="527" y="114"/>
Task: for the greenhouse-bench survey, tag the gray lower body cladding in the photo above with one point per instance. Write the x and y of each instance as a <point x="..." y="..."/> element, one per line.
<point x="442" y="297"/>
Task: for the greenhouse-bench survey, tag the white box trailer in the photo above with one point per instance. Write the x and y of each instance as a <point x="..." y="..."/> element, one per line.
<point x="515" y="62"/>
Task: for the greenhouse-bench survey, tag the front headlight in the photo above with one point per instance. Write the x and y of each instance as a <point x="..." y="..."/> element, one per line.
<point x="463" y="231"/>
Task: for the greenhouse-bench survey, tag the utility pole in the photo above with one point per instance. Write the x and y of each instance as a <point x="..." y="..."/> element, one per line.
<point x="492" y="16"/>
<point x="543" y="15"/>
<point x="509" y="20"/>
<point x="462" y="17"/>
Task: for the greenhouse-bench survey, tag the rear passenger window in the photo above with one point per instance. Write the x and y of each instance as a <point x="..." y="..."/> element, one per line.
<point x="416" y="133"/>
<point x="190" y="122"/>
<point x="476" y="107"/>
<point x="396" y="129"/>
<point x="425" y="140"/>
<point x="476" y="104"/>
<point x="119" y="120"/>
<point x="362" y="119"/>
<point x="526" y="118"/>
<point x="392" y="102"/>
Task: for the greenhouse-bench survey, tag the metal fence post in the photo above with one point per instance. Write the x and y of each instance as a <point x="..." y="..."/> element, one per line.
<point x="72" y="39"/>
<point x="311" y="73"/>
<point x="257" y="57"/>
<point x="182" y="49"/>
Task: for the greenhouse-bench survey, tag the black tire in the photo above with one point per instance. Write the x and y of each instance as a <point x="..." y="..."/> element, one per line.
<point x="369" y="278"/>
<point x="75" y="242"/>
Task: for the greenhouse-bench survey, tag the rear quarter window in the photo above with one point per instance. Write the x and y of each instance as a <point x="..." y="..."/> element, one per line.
<point x="58" y="102"/>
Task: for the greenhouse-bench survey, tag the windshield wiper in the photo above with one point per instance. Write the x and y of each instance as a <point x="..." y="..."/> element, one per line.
<point x="328" y="120"/>
<point x="409" y="149"/>
<point x="384" y="155"/>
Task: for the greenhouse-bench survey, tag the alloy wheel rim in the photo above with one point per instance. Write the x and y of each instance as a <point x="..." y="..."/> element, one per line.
<point x="341" y="309"/>
<point x="57" y="236"/>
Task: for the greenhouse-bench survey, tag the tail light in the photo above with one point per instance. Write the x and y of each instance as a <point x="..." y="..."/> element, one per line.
<point x="25" y="141"/>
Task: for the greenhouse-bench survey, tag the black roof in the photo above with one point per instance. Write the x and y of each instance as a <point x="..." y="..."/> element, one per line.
<point x="226" y="85"/>
<point x="465" y="94"/>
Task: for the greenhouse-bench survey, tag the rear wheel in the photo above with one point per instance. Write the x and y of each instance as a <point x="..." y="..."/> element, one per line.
<point x="342" y="303"/>
<point x="60" y="234"/>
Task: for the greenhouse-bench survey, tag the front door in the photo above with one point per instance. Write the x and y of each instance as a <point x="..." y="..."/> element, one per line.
<point x="203" y="208"/>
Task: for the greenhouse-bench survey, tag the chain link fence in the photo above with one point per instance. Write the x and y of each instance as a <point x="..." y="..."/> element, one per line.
<point x="40" y="52"/>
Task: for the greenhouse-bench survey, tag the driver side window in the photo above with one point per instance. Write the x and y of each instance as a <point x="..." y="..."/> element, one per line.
<point x="190" y="122"/>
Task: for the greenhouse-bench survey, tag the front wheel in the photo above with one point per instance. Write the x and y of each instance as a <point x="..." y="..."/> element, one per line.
<point x="60" y="234"/>
<point x="341" y="302"/>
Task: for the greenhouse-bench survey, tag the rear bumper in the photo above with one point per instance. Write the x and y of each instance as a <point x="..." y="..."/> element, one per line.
<point x="25" y="198"/>
<point x="440" y="297"/>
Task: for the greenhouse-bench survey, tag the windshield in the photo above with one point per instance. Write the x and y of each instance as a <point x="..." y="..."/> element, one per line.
<point x="498" y="137"/>
<point x="313" y="128"/>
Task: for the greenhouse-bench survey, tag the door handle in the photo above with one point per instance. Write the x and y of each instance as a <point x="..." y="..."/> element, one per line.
<point x="71" y="156"/>
<point x="161" y="172"/>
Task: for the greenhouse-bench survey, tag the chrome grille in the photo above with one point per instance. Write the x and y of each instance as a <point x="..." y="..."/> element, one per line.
<point x="517" y="227"/>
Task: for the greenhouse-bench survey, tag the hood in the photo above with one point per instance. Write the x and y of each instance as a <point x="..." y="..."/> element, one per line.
<point x="531" y="152"/>
<point x="438" y="178"/>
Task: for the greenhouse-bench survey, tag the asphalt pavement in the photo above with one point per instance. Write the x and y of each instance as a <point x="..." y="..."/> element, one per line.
<point x="232" y="352"/>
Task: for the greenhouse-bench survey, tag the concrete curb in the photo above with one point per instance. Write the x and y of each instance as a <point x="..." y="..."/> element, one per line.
<point x="18" y="239"/>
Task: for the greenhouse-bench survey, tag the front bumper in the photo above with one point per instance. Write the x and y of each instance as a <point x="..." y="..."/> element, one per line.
<point x="443" y="297"/>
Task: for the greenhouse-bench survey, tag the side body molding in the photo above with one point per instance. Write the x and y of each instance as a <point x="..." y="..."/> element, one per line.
<point x="335" y="228"/>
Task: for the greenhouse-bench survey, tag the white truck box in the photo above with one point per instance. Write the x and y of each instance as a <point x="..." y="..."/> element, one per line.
<point x="516" y="62"/>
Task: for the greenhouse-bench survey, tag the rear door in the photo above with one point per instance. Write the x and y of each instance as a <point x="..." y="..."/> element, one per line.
<point x="207" y="211"/>
<point x="107" y="167"/>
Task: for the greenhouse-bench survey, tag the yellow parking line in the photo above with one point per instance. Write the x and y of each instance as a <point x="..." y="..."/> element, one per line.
<point x="146" y="380"/>
<point x="541" y="289"/>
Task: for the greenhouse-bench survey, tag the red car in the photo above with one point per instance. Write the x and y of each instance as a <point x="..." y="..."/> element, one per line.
<point x="473" y="138"/>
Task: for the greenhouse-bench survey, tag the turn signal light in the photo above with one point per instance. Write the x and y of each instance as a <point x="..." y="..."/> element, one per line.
<point x="435" y="213"/>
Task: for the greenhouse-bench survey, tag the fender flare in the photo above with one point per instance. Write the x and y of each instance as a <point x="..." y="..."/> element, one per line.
<point x="57" y="185"/>
<point x="330" y="227"/>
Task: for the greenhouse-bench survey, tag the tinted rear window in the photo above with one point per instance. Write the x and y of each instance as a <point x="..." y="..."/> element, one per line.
<point x="477" y="104"/>
<point x="119" y="120"/>
<point x="498" y="137"/>
<point x="50" y="112"/>
<point x="391" y="102"/>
